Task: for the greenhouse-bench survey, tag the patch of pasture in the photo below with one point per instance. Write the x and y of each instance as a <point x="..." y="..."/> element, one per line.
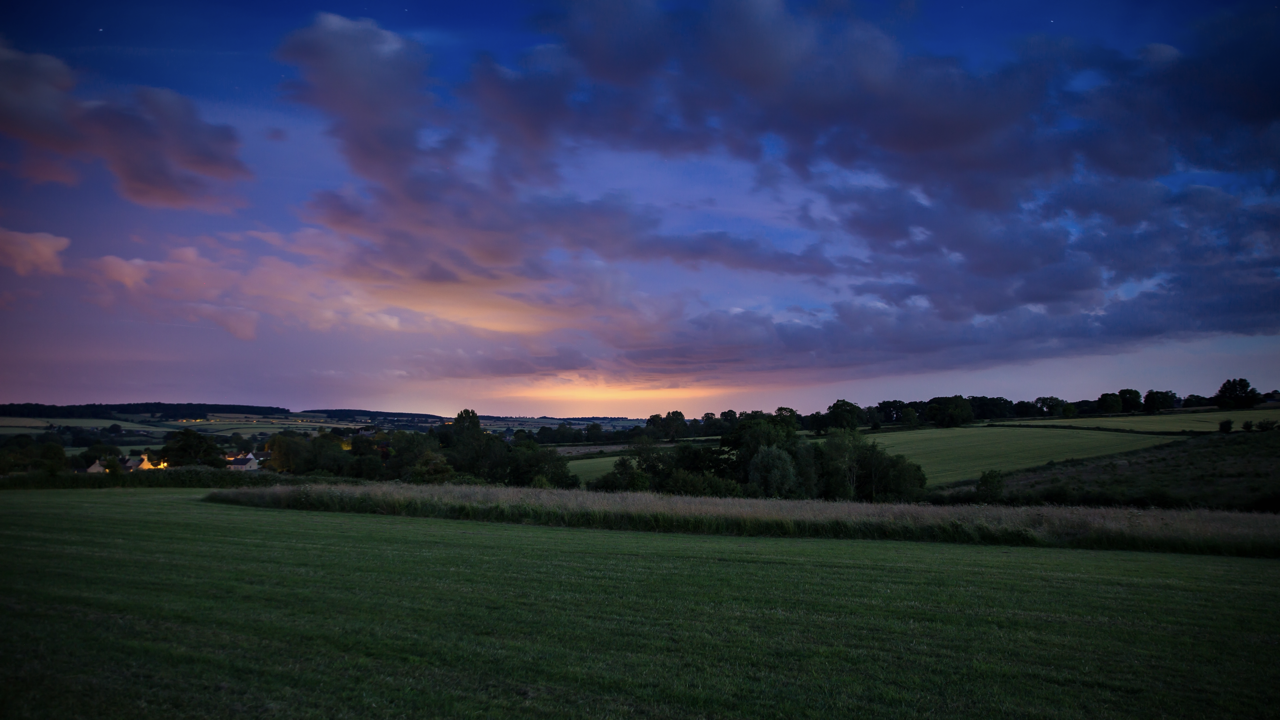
<point x="951" y="454"/>
<point x="9" y="422"/>
<point x="147" y="603"/>
<point x="588" y="469"/>
<point x="1170" y="422"/>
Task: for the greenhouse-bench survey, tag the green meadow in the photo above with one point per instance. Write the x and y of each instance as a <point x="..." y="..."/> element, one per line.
<point x="950" y="454"/>
<point x="589" y="469"/>
<point x="149" y="603"/>
<point x="1171" y="422"/>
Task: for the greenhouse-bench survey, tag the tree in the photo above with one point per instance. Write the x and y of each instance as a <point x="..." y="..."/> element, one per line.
<point x="98" y="452"/>
<point x="431" y="468"/>
<point x="839" y="464"/>
<point x="189" y="447"/>
<point x="891" y="410"/>
<point x="1022" y="408"/>
<point x="53" y="458"/>
<point x="1050" y="405"/>
<point x="750" y="436"/>
<point x="990" y="486"/>
<point x="884" y="477"/>
<point x="1195" y="401"/>
<point x="1236" y="395"/>
<point x="467" y="424"/>
<point x="772" y="472"/>
<point x="673" y="425"/>
<point x="990" y="408"/>
<point x="290" y="452"/>
<point x="843" y="414"/>
<point x="362" y="446"/>
<point x="1156" y="400"/>
<point x="951" y="411"/>
<point x="1109" y="404"/>
<point x="625" y="477"/>
<point x="1130" y="400"/>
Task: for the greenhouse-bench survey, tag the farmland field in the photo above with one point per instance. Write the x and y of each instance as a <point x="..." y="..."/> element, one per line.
<point x="590" y="469"/>
<point x="29" y="424"/>
<point x="1173" y="422"/>
<point x="147" y="603"/>
<point x="952" y="454"/>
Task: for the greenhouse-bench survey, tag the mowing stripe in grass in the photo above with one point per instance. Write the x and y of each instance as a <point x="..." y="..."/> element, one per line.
<point x="145" y="603"/>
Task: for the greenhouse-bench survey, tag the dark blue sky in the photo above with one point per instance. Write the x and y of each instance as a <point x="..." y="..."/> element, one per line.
<point x="622" y="206"/>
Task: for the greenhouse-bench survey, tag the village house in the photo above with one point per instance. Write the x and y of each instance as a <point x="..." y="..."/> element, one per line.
<point x="243" y="464"/>
<point x="138" y="463"/>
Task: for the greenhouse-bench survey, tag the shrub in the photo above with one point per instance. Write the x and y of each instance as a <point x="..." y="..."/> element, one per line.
<point x="1266" y="425"/>
<point x="1225" y="426"/>
<point x="1247" y="426"/>
<point x="990" y="486"/>
<point x="624" y="476"/>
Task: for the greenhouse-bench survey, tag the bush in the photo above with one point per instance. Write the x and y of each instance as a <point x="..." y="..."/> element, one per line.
<point x="624" y="476"/>
<point x="1266" y="425"/>
<point x="990" y="486"/>
<point x="1247" y="426"/>
<point x="1225" y="426"/>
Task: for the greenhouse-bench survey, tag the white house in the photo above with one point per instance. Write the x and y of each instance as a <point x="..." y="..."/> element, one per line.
<point x="96" y="467"/>
<point x="243" y="464"/>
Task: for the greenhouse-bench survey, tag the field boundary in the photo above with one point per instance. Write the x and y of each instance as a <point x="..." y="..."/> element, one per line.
<point x="1127" y="431"/>
<point x="1179" y="531"/>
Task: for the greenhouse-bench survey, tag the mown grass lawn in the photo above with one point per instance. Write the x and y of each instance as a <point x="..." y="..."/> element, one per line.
<point x="147" y="603"/>
<point x="952" y="454"/>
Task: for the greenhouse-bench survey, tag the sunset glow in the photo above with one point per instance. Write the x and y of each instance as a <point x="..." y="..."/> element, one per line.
<point x="622" y="208"/>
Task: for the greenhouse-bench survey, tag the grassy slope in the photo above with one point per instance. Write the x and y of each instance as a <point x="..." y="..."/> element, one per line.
<point x="150" y="604"/>
<point x="589" y="469"/>
<point x="1236" y="471"/>
<point x="1176" y="422"/>
<point x="954" y="454"/>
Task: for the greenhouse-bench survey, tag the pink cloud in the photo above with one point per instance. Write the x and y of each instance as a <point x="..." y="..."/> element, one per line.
<point x="27" y="253"/>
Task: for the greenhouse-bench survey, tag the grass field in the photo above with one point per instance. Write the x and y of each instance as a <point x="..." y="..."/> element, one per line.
<point x="1173" y="422"/>
<point x="589" y="469"/>
<point x="29" y="424"/>
<point x="147" y="603"/>
<point x="954" y="454"/>
<point x="1240" y="471"/>
<point x="1196" y="531"/>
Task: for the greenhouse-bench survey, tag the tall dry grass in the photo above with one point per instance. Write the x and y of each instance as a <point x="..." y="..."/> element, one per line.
<point x="1190" y="531"/>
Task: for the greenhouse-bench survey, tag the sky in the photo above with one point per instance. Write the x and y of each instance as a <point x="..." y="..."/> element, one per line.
<point x="626" y="207"/>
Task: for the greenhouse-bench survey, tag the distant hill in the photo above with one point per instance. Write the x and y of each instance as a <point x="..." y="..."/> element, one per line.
<point x="351" y="415"/>
<point x="174" y="411"/>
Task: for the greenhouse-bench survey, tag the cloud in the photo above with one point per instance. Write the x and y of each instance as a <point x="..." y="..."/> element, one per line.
<point x="32" y="253"/>
<point x="160" y="151"/>
<point x="928" y="216"/>
<point x="1010" y="213"/>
